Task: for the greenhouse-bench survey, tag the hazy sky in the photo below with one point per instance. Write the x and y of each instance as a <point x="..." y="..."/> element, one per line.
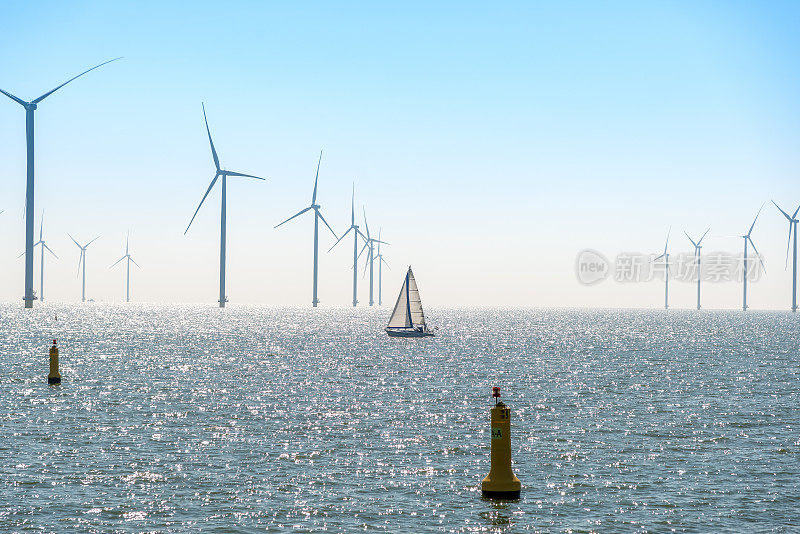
<point x="491" y="142"/>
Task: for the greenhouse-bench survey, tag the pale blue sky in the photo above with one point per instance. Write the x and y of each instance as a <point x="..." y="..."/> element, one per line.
<point x="491" y="142"/>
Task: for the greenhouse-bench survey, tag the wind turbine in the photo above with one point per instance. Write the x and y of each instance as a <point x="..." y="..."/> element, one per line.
<point x="317" y="216"/>
<point x="747" y="238"/>
<point x="30" y="107"/>
<point x="82" y="261"/>
<point x="665" y="255"/>
<point x="381" y="261"/>
<point x="370" y="242"/>
<point x="127" y="269"/>
<point x="356" y="233"/>
<point x="697" y="248"/>
<point x="224" y="174"/>
<point x="792" y="228"/>
<point x="41" y="267"/>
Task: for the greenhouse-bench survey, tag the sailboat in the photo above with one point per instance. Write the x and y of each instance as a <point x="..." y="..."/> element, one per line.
<point x="408" y="319"/>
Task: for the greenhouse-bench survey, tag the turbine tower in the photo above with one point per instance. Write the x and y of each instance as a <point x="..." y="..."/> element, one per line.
<point x="224" y="174"/>
<point x="317" y="216"/>
<point x="82" y="262"/>
<point x="697" y="248"/>
<point x="127" y="269"/>
<point x="356" y="233"/>
<point x="30" y="107"/>
<point x="665" y="255"/>
<point x="747" y="238"/>
<point x="792" y="229"/>
<point x="381" y="261"/>
<point x="370" y="242"/>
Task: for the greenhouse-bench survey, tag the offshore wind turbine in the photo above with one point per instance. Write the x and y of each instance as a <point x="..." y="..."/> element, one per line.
<point x="41" y="267"/>
<point x="665" y="255"/>
<point x="697" y="248"/>
<point x="317" y="216"/>
<point x="381" y="261"/>
<point x="370" y="242"/>
<point x="127" y="269"/>
<point x="82" y="262"/>
<point x="30" y="107"/>
<point x="792" y="229"/>
<point x="356" y="233"/>
<point x="222" y="239"/>
<point x="747" y="238"/>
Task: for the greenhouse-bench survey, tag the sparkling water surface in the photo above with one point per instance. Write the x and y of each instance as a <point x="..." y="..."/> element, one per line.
<point x="176" y="418"/>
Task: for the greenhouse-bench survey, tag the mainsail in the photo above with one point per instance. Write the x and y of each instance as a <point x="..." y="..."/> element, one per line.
<point x="408" y="308"/>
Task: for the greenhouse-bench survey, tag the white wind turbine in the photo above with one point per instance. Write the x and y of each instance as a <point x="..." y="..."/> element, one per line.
<point x="697" y="248"/>
<point x="370" y="243"/>
<point x="222" y="239"/>
<point x="317" y="216"/>
<point x="127" y="268"/>
<point x="747" y="238"/>
<point x="41" y="266"/>
<point x="30" y="107"/>
<point x="792" y="229"/>
<point x="356" y="234"/>
<point x="82" y="263"/>
<point x="665" y="255"/>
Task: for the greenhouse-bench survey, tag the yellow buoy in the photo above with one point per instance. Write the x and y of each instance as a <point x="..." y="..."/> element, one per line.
<point x="501" y="483"/>
<point x="54" y="377"/>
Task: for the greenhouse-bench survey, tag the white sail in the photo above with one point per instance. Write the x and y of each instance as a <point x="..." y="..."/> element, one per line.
<point x="400" y="317"/>
<point x="414" y="301"/>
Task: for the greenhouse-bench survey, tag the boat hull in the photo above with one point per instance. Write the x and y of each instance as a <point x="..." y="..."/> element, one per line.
<point x="407" y="333"/>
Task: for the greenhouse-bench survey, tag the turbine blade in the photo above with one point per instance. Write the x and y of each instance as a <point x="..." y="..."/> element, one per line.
<point x="213" y="150"/>
<point x="376" y="241"/>
<point x="366" y="224"/>
<point x="754" y="220"/>
<point x="127" y="242"/>
<point x="338" y="240"/>
<point x="365" y="238"/>
<point x="231" y="173"/>
<point x="134" y="262"/>
<point x="703" y="236"/>
<point x="385" y="262"/>
<point x="23" y="253"/>
<point x="201" y="201"/>
<point x="92" y="241"/>
<point x="326" y="223"/>
<point x="667" y="242"/>
<point x="41" y="226"/>
<point x="51" y="252"/>
<point x="362" y="250"/>
<point x="293" y="216"/>
<point x="795" y="212"/>
<point x="690" y="239"/>
<point x="73" y="240"/>
<point x="36" y="101"/>
<point x="788" y="244"/>
<point x="757" y="254"/>
<point x="316" y="180"/>
<point x="658" y="257"/>
<point x="784" y="213"/>
<point x="116" y="262"/>
<point x="14" y="98"/>
<point x="353" y="207"/>
<point x="79" y="263"/>
<point x="366" y="264"/>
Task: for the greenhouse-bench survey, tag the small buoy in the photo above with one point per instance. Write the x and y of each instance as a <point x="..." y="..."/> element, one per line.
<point x="54" y="377"/>
<point x="500" y="483"/>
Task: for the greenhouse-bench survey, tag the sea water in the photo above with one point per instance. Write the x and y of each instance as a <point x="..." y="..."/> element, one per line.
<point x="176" y="418"/>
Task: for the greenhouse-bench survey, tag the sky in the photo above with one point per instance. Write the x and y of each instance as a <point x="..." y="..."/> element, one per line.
<point x="490" y="144"/>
